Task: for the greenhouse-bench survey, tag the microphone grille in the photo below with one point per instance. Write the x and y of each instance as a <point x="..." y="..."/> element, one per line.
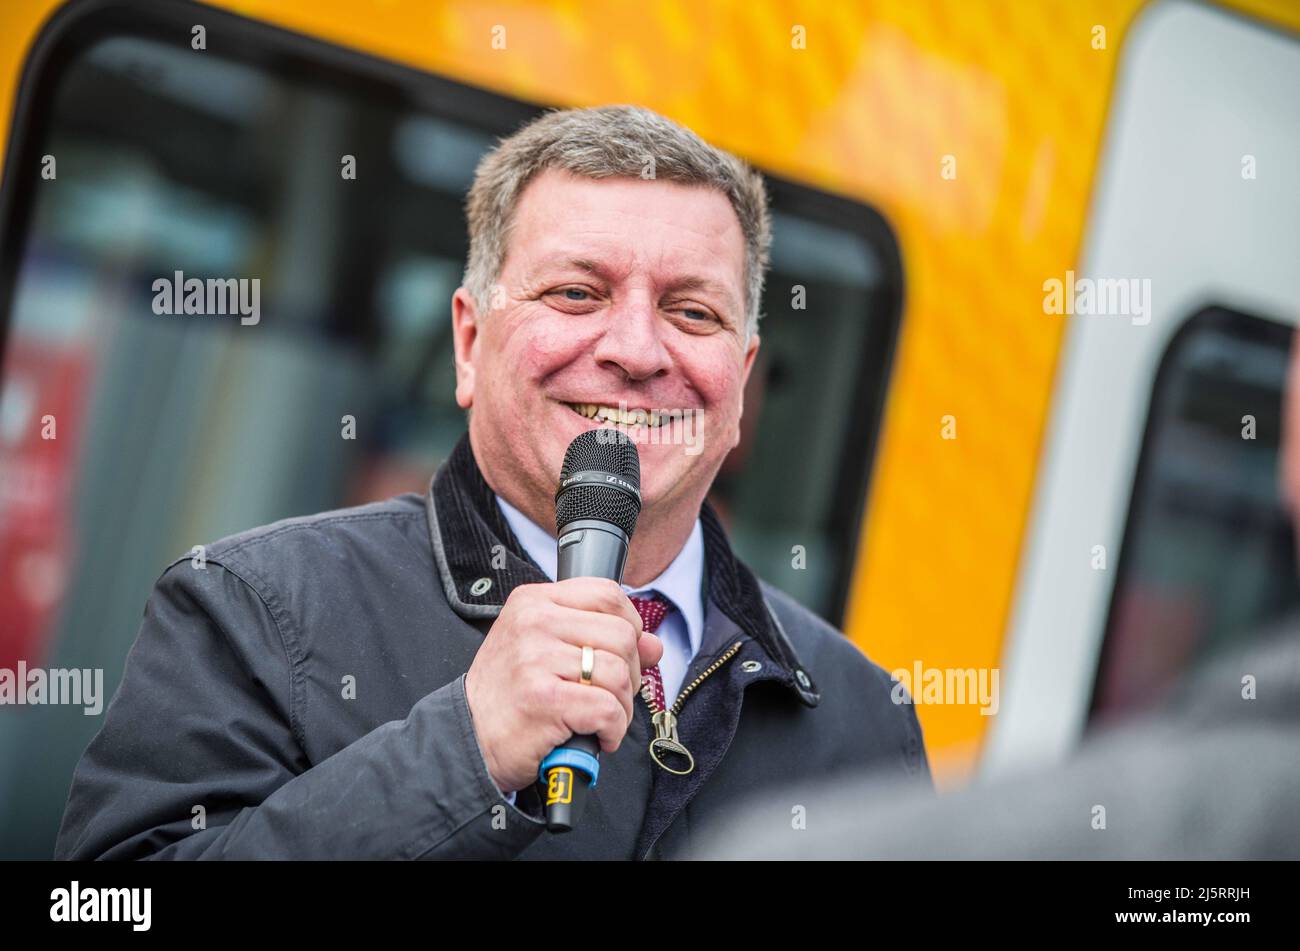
<point x="600" y="450"/>
<point x="603" y="450"/>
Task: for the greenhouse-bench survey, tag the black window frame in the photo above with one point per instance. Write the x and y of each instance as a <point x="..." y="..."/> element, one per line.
<point x="1255" y="327"/>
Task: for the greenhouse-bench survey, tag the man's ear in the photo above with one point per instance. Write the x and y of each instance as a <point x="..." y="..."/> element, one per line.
<point x="464" y="335"/>
<point x="1289" y="477"/>
<point x="751" y="351"/>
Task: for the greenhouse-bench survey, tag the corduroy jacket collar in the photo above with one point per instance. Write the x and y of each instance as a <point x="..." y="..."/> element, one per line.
<point x="480" y="562"/>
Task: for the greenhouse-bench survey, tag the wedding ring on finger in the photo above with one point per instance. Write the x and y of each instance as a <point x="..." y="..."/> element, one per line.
<point x="588" y="664"/>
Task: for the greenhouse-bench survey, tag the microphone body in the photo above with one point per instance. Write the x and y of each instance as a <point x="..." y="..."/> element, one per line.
<point x="590" y="548"/>
<point x="596" y="508"/>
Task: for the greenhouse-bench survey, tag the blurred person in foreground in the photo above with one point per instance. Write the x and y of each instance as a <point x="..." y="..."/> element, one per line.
<point x="383" y="681"/>
<point x="1215" y="774"/>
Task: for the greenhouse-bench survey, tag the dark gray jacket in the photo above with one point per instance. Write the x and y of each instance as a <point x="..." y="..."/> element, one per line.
<point x="1208" y="775"/>
<point x="302" y="696"/>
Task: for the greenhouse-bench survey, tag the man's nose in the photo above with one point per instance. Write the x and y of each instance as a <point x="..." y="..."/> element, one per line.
<point x="632" y="339"/>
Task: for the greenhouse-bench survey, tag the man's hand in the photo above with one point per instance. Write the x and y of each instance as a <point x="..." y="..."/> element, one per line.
<point x="523" y="687"/>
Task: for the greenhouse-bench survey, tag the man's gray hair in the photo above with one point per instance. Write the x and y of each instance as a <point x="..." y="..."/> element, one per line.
<point x="608" y="142"/>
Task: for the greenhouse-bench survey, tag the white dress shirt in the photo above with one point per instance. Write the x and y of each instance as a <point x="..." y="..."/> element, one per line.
<point x="681" y="583"/>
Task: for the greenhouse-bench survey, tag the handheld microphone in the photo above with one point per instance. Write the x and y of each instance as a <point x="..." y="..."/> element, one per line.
<point x="596" y="507"/>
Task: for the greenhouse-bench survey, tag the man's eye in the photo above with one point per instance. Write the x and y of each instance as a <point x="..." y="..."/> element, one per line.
<point x="698" y="315"/>
<point x="560" y="296"/>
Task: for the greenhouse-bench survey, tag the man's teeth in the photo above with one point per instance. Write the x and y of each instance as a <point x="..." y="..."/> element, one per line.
<point x="628" y="417"/>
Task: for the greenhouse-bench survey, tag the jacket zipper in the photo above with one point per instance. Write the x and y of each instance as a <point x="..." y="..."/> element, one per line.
<point x="665" y="740"/>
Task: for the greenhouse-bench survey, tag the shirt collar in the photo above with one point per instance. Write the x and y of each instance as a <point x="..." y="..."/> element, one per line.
<point x="479" y="561"/>
<point x="682" y="582"/>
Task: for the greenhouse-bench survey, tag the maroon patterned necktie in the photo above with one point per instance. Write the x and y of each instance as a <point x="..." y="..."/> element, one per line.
<point x="652" y="610"/>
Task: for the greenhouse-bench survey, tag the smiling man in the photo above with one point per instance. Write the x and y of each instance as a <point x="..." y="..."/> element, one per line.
<point x="384" y="681"/>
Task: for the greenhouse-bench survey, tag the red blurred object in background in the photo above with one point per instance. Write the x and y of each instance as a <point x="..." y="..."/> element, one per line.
<point x="35" y="489"/>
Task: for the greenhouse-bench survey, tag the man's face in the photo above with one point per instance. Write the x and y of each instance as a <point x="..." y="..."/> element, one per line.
<point x="618" y="293"/>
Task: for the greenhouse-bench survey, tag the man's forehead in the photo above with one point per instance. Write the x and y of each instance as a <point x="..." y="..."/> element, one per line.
<point x="571" y="223"/>
<point x="615" y="264"/>
<point x="554" y="198"/>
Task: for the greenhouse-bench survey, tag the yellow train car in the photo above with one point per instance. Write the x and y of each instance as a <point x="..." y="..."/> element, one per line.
<point x="968" y="477"/>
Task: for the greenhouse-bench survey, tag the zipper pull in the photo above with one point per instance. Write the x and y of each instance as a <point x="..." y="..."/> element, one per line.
<point x="667" y="744"/>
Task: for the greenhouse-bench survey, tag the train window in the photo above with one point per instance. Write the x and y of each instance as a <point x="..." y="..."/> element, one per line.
<point x="228" y="162"/>
<point x="1208" y="556"/>
<point x="831" y="306"/>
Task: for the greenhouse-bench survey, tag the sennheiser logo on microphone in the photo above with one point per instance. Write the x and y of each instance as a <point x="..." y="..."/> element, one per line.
<point x="602" y="478"/>
<point x="619" y="482"/>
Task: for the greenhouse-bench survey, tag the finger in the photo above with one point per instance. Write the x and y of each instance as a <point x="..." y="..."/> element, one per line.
<point x="587" y="628"/>
<point x="596" y="594"/>
<point x="650" y="650"/>
<point x="609" y="672"/>
<point x="593" y="712"/>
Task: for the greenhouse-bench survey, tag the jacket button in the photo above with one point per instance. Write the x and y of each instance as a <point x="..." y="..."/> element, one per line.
<point x="480" y="587"/>
<point x="804" y="682"/>
<point x="751" y="666"/>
